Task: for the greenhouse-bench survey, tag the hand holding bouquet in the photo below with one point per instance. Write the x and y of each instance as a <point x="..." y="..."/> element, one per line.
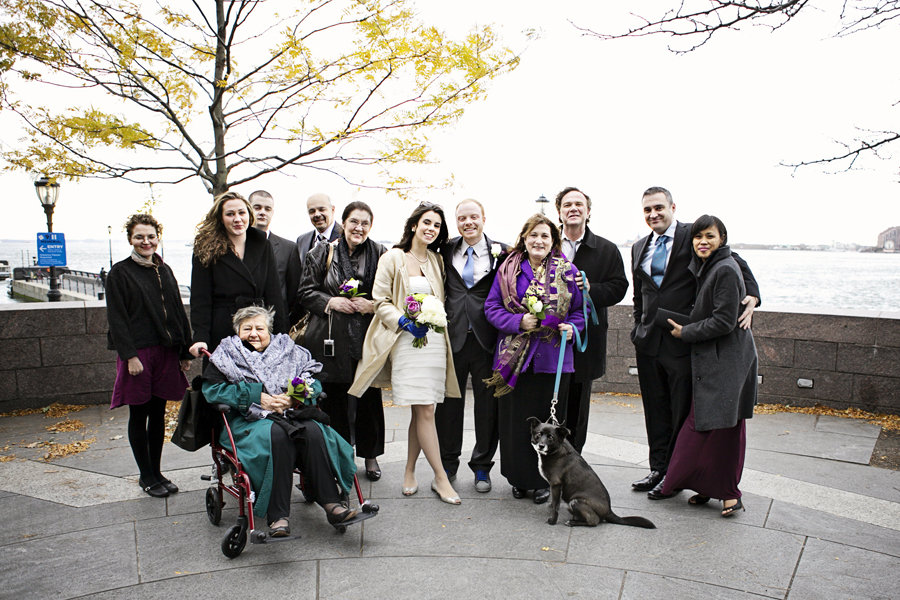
<point x="426" y="310"/>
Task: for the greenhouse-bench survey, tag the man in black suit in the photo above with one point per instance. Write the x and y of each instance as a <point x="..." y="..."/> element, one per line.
<point x="286" y="259"/>
<point x="321" y="215"/>
<point x="606" y="283"/>
<point x="470" y="262"/>
<point x="659" y="264"/>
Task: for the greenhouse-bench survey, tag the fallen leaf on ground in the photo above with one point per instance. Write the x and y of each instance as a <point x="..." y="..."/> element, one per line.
<point x="67" y="425"/>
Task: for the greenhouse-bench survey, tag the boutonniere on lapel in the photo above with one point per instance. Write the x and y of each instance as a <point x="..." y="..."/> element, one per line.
<point x="495" y="250"/>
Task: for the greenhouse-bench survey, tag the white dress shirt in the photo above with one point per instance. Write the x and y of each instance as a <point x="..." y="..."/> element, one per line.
<point x="481" y="256"/>
<point x="651" y="247"/>
<point x="570" y="247"/>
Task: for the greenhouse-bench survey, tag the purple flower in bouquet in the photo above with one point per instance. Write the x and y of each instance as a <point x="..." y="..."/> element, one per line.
<point x="350" y="288"/>
<point x="413" y="306"/>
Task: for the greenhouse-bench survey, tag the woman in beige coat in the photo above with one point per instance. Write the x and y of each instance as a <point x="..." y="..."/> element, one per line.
<point x="419" y="377"/>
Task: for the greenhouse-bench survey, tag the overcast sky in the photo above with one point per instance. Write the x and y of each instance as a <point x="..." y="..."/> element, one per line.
<point x="613" y="118"/>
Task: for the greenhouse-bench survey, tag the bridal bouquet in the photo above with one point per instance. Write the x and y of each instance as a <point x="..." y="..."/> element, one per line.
<point x="535" y="306"/>
<point x="427" y="310"/>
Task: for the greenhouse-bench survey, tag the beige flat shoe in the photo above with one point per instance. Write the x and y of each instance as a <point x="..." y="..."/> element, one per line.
<point x="454" y="500"/>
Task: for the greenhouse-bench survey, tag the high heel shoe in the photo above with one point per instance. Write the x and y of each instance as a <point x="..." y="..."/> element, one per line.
<point x="727" y="511"/>
<point x="448" y="499"/>
<point x="373" y="474"/>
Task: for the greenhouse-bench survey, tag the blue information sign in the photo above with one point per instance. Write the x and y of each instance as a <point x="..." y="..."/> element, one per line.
<point x="51" y="249"/>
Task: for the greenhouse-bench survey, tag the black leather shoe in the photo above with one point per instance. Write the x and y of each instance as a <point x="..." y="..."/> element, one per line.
<point x="657" y="493"/>
<point x="518" y="493"/>
<point x="157" y="490"/>
<point x="541" y="496"/>
<point x="173" y="489"/>
<point x="373" y="474"/>
<point x="649" y="482"/>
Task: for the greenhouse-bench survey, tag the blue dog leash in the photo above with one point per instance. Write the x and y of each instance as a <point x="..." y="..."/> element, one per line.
<point x="580" y="345"/>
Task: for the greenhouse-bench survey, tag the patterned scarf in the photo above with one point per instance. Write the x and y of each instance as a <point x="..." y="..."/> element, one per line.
<point x="514" y="351"/>
<point x="278" y="363"/>
<point x="153" y="262"/>
<point x="346" y="271"/>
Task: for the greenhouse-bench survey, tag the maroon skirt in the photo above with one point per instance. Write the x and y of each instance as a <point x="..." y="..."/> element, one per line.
<point x="709" y="462"/>
<point x="162" y="377"/>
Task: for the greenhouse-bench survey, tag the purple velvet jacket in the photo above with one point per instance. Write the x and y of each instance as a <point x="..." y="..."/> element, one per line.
<point x="542" y="356"/>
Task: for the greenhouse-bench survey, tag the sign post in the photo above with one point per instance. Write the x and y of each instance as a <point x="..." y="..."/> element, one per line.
<point x="51" y="249"/>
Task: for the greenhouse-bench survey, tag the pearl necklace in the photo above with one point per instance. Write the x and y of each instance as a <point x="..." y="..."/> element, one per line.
<point x="422" y="261"/>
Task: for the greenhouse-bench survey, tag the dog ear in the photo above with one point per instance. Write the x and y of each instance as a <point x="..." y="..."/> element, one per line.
<point x="563" y="431"/>
<point x="535" y="422"/>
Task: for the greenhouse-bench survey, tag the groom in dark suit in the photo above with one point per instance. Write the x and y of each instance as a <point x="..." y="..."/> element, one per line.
<point x="286" y="259"/>
<point x="606" y="284"/>
<point x="659" y="264"/>
<point x="470" y="262"/>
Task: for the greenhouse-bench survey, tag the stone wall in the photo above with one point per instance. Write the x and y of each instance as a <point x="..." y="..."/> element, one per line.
<point x="851" y="360"/>
<point x="57" y="352"/>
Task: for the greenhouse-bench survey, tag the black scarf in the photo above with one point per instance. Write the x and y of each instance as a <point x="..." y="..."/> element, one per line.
<point x="346" y="271"/>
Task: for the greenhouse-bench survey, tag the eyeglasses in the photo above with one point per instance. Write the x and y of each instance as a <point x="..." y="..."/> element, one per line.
<point x="355" y="223"/>
<point x="150" y="238"/>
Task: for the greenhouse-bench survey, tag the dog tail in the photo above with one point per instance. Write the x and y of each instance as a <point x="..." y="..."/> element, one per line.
<point x="612" y="517"/>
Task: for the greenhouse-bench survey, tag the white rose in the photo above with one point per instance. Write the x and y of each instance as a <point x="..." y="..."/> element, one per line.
<point x="495" y="249"/>
<point x="433" y="312"/>
<point x="538" y="306"/>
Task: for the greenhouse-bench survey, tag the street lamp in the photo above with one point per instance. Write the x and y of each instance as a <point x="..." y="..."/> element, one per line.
<point x="109" y="230"/>
<point x="48" y="192"/>
<point x="542" y="202"/>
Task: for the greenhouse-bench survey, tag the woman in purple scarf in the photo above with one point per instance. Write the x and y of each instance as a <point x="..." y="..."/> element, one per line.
<point x="533" y="299"/>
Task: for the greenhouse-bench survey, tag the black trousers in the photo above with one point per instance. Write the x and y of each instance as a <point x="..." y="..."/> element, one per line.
<point x="307" y="451"/>
<point x="666" y="393"/>
<point x="360" y="421"/>
<point x="578" y="410"/>
<point x="448" y="416"/>
<point x="531" y="397"/>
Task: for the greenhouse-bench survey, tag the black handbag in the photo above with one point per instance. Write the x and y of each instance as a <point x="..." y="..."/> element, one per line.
<point x="194" y="429"/>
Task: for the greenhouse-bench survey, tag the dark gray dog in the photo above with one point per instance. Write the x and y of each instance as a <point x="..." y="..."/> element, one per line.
<point x="571" y="478"/>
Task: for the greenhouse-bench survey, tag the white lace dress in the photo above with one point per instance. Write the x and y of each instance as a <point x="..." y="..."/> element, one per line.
<point x="418" y="375"/>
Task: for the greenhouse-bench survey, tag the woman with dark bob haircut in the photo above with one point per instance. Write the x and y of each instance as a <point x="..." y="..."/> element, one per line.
<point x="709" y="452"/>
<point x="233" y="267"/>
<point x="533" y="299"/>
<point x="149" y="331"/>
<point x="336" y="289"/>
<point x="419" y="374"/>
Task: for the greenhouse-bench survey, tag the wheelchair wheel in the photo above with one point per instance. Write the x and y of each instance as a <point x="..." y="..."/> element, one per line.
<point x="213" y="506"/>
<point x="234" y="541"/>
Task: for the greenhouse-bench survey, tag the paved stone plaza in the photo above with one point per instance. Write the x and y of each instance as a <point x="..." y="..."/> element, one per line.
<point x="820" y="523"/>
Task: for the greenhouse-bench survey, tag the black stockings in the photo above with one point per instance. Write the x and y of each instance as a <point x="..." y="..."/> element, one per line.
<point x="146" y="428"/>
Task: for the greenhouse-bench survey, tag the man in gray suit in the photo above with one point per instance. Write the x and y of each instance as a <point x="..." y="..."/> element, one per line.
<point x="286" y="260"/>
<point x="321" y="215"/>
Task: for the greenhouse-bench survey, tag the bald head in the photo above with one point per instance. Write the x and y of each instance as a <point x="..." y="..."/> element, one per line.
<point x="321" y="211"/>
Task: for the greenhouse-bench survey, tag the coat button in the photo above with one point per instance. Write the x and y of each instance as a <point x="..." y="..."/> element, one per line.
<point x="698" y="378"/>
<point x="537" y="355"/>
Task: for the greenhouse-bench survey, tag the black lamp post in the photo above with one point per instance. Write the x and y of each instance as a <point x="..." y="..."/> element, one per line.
<point x="109" y="230"/>
<point x="48" y="192"/>
<point x="542" y="202"/>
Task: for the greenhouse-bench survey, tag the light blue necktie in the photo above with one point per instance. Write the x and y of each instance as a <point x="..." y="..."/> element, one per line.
<point x="658" y="263"/>
<point x="468" y="273"/>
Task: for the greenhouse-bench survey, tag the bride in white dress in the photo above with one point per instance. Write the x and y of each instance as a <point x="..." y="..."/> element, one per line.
<point x="419" y="377"/>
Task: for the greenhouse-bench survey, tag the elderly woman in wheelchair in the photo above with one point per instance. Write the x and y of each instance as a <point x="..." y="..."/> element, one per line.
<point x="267" y="381"/>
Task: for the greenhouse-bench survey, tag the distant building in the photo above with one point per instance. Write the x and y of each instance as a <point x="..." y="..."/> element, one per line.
<point x="889" y="239"/>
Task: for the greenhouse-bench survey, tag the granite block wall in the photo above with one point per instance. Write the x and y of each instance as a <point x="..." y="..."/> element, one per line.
<point x="57" y="352"/>
<point x="851" y="360"/>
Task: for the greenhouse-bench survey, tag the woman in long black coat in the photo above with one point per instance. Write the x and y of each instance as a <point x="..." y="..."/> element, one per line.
<point x="233" y="266"/>
<point x="342" y="315"/>
<point x="709" y="452"/>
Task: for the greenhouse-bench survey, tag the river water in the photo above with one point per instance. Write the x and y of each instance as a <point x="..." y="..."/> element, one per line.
<point x="805" y="281"/>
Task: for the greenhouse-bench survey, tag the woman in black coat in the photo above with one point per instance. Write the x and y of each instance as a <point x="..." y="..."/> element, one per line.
<point x="342" y="315"/>
<point x="149" y="331"/>
<point x="709" y="452"/>
<point x="233" y="266"/>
